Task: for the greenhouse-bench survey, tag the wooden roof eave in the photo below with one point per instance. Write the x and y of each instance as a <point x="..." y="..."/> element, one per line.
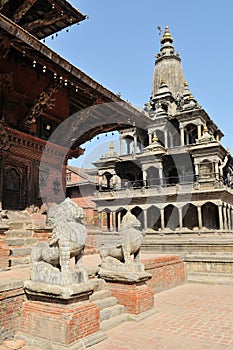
<point x="67" y="69"/>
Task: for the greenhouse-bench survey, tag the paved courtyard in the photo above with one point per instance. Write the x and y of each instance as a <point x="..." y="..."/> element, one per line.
<point x="192" y="316"/>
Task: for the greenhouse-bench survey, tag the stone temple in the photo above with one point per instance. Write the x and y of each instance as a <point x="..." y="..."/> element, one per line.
<point x="176" y="173"/>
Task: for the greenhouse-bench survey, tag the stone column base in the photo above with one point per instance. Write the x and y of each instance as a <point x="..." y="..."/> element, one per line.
<point x="137" y="297"/>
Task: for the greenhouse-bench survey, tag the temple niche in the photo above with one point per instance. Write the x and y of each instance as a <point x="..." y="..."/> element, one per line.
<point x="175" y="176"/>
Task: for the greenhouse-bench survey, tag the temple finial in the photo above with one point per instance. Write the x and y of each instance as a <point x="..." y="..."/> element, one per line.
<point x="167" y="36"/>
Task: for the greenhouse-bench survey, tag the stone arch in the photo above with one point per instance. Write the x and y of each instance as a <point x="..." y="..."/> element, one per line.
<point x="153" y="218"/>
<point x="190" y="216"/>
<point x="190" y="134"/>
<point x="120" y="213"/>
<point x="138" y="212"/>
<point x="210" y="215"/>
<point x="171" y="217"/>
<point x="106" y="180"/>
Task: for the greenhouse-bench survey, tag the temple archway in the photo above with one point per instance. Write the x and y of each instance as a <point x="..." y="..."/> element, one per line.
<point x="190" y="216"/>
<point x="153" y="218"/>
<point x="171" y="217"/>
<point x="210" y="216"/>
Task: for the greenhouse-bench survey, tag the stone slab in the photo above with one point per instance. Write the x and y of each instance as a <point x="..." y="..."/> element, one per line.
<point x="40" y="291"/>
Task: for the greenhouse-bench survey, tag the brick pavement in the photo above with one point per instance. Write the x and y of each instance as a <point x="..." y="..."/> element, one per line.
<point x="189" y="317"/>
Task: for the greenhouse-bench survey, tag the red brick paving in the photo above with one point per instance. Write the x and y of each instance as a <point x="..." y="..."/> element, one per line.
<point x="189" y="317"/>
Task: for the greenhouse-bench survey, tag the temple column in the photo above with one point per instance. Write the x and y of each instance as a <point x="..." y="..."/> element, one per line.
<point x="182" y="136"/>
<point x="199" y="131"/>
<point x="166" y="139"/>
<point x="109" y="221"/>
<point x="121" y="146"/>
<point x="119" y="220"/>
<point x="114" y="221"/>
<point x="180" y="219"/>
<point x="145" y="219"/>
<point x="135" y="144"/>
<point x="100" y="220"/>
<point x="196" y="172"/>
<point x="161" y="176"/>
<point x="144" y="177"/>
<point x="200" y="224"/>
<point x="220" y="217"/>
<point x="224" y="217"/>
<point x="229" y="217"/>
<point x="150" y="139"/>
<point x="128" y="146"/>
<point x="100" y="182"/>
<point x="216" y="170"/>
<point x="162" y="219"/>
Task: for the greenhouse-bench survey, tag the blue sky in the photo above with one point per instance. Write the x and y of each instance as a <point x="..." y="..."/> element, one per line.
<point x="117" y="44"/>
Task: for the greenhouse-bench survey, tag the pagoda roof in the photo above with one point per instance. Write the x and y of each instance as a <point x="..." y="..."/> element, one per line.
<point x="16" y="41"/>
<point x="41" y="17"/>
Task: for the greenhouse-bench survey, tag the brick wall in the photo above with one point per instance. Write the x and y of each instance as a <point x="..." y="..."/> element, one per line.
<point x="11" y="302"/>
<point x="167" y="272"/>
<point x="4" y="252"/>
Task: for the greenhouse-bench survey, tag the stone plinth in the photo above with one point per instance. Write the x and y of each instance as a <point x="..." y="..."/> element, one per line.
<point x="128" y="285"/>
<point x="137" y="297"/>
<point x="58" y="317"/>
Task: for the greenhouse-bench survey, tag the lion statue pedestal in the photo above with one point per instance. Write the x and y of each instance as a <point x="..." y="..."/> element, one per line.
<point x="124" y="273"/>
<point x="58" y="314"/>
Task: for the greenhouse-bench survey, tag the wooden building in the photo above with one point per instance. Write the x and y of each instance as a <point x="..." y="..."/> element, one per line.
<point x="40" y="91"/>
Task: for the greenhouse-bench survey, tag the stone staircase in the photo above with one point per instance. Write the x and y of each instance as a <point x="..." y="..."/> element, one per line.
<point x="111" y="312"/>
<point x="20" y="241"/>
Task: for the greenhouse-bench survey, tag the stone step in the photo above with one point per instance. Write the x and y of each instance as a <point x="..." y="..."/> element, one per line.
<point x="19" y="233"/>
<point x="110" y="312"/>
<point x="21" y="241"/>
<point x="19" y="262"/>
<point x="100" y="294"/>
<point x="106" y="302"/>
<point x="21" y="252"/>
<point x="113" y="322"/>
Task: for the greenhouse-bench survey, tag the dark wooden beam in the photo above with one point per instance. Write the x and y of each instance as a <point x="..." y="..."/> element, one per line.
<point x="22" y="10"/>
<point x="3" y="3"/>
<point x="48" y="19"/>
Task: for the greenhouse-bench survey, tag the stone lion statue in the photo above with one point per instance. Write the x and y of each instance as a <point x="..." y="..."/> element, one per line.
<point x="130" y="242"/>
<point x="50" y="262"/>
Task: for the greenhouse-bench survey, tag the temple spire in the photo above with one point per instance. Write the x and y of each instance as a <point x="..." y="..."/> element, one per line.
<point x="167" y="48"/>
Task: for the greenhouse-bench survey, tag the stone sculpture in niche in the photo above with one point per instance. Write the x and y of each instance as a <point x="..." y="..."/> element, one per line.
<point x="50" y="262"/>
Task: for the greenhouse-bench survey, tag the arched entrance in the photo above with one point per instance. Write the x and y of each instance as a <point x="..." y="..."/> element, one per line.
<point x="171" y="217"/>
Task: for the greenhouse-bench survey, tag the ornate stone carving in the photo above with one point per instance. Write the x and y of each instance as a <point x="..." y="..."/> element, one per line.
<point x="42" y="103"/>
<point x="50" y="262"/>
